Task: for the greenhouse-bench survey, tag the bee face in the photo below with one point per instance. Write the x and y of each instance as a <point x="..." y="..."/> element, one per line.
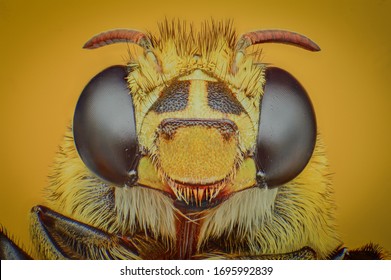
<point x="190" y="125"/>
<point x="197" y="134"/>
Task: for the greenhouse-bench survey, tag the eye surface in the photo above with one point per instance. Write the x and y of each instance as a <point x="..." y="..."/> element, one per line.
<point x="287" y="128"/>
<point x="104" y="126"/>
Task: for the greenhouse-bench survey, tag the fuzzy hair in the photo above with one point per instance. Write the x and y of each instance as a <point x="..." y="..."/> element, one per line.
<point x="75" y="192"/>
<point x="274" y="221"/>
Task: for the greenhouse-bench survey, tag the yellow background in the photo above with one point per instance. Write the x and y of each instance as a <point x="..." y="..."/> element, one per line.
<point x="43" y="69"/>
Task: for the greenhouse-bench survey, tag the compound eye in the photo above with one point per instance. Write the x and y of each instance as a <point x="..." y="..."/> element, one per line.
<point x="287" y="129"/>
<point x="104" y="127"/>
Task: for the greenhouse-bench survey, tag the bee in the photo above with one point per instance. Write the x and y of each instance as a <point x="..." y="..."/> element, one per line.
<point x="196" y="149"/>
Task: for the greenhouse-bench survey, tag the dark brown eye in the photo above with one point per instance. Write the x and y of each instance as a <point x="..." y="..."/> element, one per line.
<point x="287" y="129"/>
<point x="104" y="127"/>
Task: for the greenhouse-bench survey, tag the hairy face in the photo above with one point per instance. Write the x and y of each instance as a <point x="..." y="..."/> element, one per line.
<point x="197" y="135"/>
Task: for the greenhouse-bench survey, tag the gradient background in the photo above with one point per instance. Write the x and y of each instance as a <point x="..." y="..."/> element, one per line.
<point x="43" y="69"/>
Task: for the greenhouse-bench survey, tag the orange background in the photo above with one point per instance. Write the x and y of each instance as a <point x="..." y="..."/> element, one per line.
<point x="43" y="69"/>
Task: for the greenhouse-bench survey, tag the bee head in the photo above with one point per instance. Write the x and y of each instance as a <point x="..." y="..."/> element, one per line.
<point x="195" y="116"/>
